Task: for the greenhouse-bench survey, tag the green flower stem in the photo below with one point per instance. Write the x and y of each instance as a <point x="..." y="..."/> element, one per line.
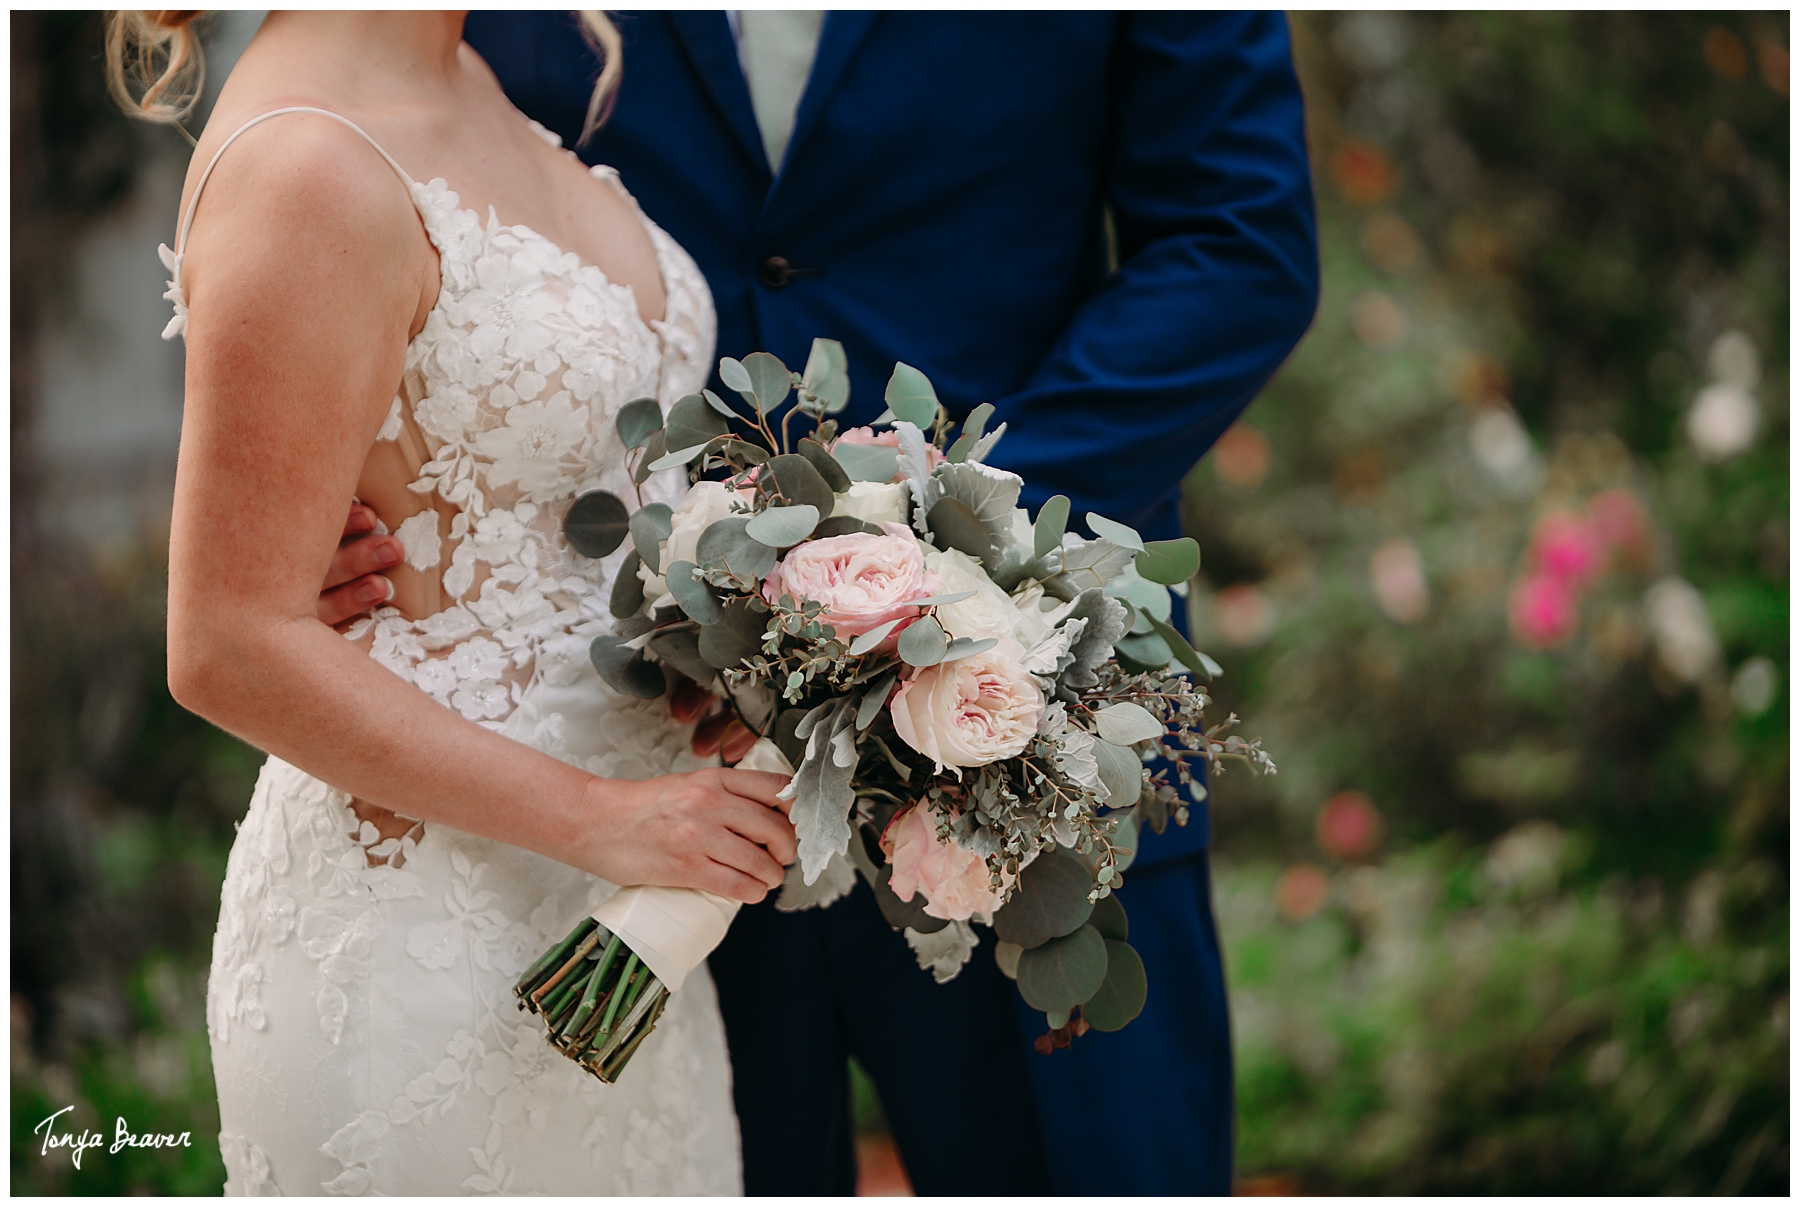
<point x="591" y="995"/>
<point x="612" y="1007"/>
<point x="586" y="945"/>
<point x="554" y="957"/>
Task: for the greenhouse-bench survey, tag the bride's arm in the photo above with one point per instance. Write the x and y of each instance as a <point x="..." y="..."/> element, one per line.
<point x="305" y="274"/>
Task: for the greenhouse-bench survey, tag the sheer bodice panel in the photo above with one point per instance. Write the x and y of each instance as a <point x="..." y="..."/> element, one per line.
<point x="510" y="395"/>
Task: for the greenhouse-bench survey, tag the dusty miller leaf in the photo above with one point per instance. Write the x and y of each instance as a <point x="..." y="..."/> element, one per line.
<point x="821" y="789"/>
<point x="838" y="879"/>
<point x="942" y="953"/>
<point x="917" y="469"/>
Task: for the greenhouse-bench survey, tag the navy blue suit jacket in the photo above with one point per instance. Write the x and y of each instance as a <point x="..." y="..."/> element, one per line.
<point x="942" y="203"/>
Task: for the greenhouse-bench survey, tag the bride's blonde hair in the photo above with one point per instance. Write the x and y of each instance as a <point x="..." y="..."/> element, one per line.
<point x="156" y="70"/>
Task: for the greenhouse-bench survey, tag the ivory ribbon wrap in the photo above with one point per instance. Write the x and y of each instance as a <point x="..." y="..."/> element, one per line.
<point x="673" y="929"/>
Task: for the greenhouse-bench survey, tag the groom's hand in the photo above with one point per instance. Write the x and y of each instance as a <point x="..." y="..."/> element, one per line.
<point x="722" y="830"/>
<point x="354" y="583"/>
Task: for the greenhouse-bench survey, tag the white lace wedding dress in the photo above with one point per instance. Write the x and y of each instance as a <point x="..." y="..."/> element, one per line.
<point x="364" y="1033"/>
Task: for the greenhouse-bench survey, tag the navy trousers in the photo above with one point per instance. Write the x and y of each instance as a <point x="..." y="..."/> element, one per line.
<point x="954" y="1066"/>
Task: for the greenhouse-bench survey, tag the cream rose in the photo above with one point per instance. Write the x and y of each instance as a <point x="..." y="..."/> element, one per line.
<point x="874" y="502"/>
<point x="973" y="711"/>
<point x="954" y="879"/>
<point x="705" y="504"/>
<point x="862" y="579"/>
<point x="990" y="612"/>
<point x="1034" y="620"/>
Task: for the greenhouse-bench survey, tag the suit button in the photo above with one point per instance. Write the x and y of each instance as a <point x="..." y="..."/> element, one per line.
<point x="775" y="272"/>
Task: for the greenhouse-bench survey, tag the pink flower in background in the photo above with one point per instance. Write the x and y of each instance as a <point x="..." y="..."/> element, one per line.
<point x="1567" y="548"/>
<point x="1618" y="519"/>
<point x="1350" y="827"/>
<point x="862" y="579"/>
<point x="1543" y="610"/>
<point x="954" y="879"/>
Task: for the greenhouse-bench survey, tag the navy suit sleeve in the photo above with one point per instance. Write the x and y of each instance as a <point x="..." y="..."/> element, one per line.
<point x="1211" y="194"/>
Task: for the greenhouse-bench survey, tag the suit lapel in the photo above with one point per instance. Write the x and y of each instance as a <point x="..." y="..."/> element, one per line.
<point x="706" y="36"/>
<point x="842" y="34"/>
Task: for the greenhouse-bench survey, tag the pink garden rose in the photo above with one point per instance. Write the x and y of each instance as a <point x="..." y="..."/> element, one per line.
<point x="973" y="711"/>
<point x="954" y="879"/>
<point x="887" y="439"/>
<point x="862" y="579"/>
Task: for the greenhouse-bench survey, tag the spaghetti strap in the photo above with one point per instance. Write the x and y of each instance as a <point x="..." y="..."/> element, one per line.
<point x="187" y="218"/>
<point x="172" y="259"/>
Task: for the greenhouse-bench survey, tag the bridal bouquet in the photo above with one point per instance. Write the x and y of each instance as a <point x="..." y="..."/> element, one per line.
<point x="967" y="696"/>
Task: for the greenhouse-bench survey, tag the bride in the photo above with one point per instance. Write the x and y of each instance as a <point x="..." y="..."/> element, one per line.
<point x="395" y="287"/>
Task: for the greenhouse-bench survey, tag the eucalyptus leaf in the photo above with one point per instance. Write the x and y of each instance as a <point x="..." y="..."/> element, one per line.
<point x="1170" y="562"/>
<point x="597" y="523"/>
<point x="742" y="452"/>
<point x="1117" y="533"/>
<point x="680" y="648"/>
<point x="1122" y="993"/>
<point x="1121" y="773"/>
<point x="650" y="526"/>
<point x="770" y="380"/>
<point x="843" y="525"/>
<point x="1127" y="724"/>
<point x="923" y="643"/>
<point x="827" y="375"/>
<point x="636" y="420"/>
<point x="780" y="527"/>
<point x="1109" y="919"/>
<point x="954" y="525"/>
<point x="627" y="597"/>
<point x="655" y="449"/>
<point x="736" y="636"/>
<point x="875" y="699"/>
<point x="825" y="463"/>
<point x="626" y="670"/>
<point x="794" y="476"/>
<point x="696" y="598"/>
<point x="676" y="459"/>
<point x="693" y="421"/>
<point x="970" y="439"/>
<point x="963" y="647"/>
<point x="726" y="543"/>
<point x="1185" y="653"/>
<point x="1006" y="958"/>
<point x="1051" y="901"/>
<point x="874" y="637"/>
<point x="911" y="398"/>
<point x="1064" y="972"/>
<point x="1052" y="521"/>
<point x="719" y="404"/>
<point x="867" y="462"/>
<point x="736" y="377"/>
<point x="1143" y="654"/>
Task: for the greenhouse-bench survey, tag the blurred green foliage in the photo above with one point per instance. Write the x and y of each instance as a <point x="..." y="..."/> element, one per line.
<point x="1548" y="239"/>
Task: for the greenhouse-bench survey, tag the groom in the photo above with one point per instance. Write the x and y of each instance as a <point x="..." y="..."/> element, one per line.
<point x="1100" y="222"/>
